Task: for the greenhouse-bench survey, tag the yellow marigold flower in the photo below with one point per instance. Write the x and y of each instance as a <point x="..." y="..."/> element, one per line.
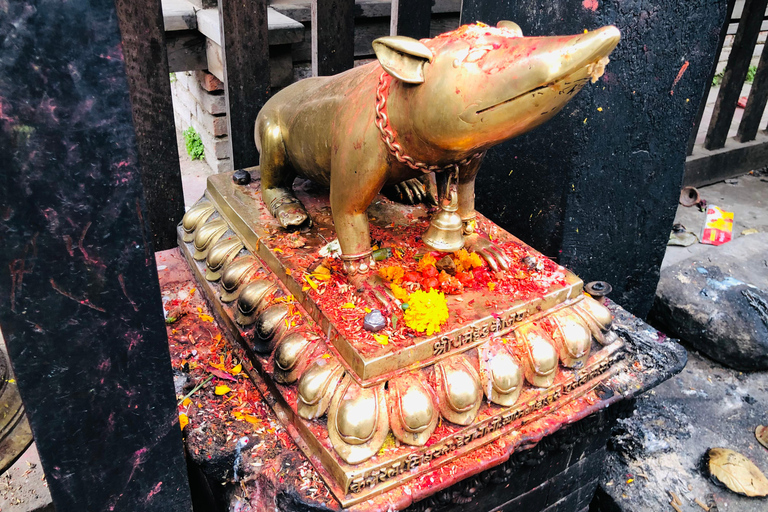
<point x="399" y="293"/>
<point x="393" y="274"/>
<point x="467" y="260"/>
<point x="426" y="312"/>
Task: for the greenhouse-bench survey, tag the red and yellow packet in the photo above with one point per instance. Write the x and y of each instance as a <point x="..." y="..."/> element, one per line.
<point x="718" y="227"/>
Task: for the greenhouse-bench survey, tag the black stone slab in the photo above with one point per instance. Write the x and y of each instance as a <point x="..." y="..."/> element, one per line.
<point x="79" y="299"/>
<point x="596" y="187"/>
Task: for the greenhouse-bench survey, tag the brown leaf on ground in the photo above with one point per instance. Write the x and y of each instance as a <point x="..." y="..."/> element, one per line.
<point x="736" y="472"/>
<point x="761" y="433"/>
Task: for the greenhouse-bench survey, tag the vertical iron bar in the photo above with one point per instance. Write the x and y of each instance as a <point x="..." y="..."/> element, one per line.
<point x="333" y="36"/>
<point x="245" y="44"/>
<point x="80" y="305"/>
<point x="735" y="72"/>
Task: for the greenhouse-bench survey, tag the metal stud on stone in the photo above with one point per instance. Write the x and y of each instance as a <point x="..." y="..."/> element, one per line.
<point x="374" y="321"/>
<point x="241" y="177"/>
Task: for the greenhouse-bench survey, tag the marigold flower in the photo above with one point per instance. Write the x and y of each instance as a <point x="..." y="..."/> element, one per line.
<point x="393" y="274"/>
<point x="399" y="293"/>
<point x="426" y="261"/>
<point x="426" y="312"/>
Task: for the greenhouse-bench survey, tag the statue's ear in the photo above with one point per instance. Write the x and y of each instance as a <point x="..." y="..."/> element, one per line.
<point x="402" y="57"/>
<point x="512" y="26"/>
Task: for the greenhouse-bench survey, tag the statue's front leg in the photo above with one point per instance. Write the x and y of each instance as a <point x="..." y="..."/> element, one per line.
<point x="353" y="188"/>
<point x="466" y="191"/>
<point x="490" y="252"/>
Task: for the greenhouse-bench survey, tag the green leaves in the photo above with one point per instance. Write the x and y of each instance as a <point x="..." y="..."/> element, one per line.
<point x="194" y="145"/>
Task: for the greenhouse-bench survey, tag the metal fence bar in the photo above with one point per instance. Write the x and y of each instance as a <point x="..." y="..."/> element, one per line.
<point x="411" y="18"/>
<point x="735" y="73"/>
<point x="244" y="42"/>
<point x="144" y="51"/>
<point x="333" y="36"/>
<point x="80" y="304"/>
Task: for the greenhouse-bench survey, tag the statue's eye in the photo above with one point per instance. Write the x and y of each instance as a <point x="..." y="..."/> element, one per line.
<point x="456" y="63"/>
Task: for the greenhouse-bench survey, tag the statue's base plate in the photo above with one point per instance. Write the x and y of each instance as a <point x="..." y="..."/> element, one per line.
<point x="282" y="260"/>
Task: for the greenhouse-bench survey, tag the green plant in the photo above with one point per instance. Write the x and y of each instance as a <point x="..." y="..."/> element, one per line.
<point x="173" y="77"/>
<point x="194" y="145"/>
<point x="718" y="78"/>
<point x="751" y="74"/>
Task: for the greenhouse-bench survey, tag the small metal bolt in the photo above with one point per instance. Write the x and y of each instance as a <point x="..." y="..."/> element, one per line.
<point x="374" y="321"/>
<point x="241" y="177"/>
<point x="598" y="289"/>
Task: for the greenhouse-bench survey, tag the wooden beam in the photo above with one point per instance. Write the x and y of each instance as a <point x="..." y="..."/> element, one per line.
<point x="733" y="159"/>
<point x="735" y="73"/>
<point x="758" y="96"/>
<point x="411" y="18"/>
<point x="245" y="45"/>
<point x="146" y="64"/>
<point x="186" y="51"/>
<point x="333" y="36"/>
<point x="80" y="305"/>
<point x="713" y="71"/>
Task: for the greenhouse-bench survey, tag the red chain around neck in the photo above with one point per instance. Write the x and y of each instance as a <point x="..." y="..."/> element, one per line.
<point x="388" y="135"/>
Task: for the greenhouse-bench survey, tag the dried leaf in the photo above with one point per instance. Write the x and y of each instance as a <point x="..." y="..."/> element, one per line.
<point x="737" y="472"/>
<point x="311" y="282"/>
<point x="221" y="374"/>
<point x="750" y="231"/>
<point x="246" y="417"/>
<point x="183" y="420"/>
<point x="761" y="433"/>
<point x="222" y="390"/>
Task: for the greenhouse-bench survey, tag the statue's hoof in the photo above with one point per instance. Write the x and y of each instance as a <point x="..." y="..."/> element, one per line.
<point x="411" y="191"/>
<point x="292" y="215"/>
<point x="490" y="252"/>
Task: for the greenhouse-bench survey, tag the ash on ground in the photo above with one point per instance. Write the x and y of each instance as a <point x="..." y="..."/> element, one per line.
<point x="655" y="455"/>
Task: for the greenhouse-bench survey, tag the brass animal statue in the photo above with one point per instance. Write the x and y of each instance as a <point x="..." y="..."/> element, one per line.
<point x="434" y="105"/>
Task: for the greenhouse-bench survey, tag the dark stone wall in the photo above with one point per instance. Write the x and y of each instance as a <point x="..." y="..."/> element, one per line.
<point x="596" y="187"/>
<point x="80" y="305"/>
